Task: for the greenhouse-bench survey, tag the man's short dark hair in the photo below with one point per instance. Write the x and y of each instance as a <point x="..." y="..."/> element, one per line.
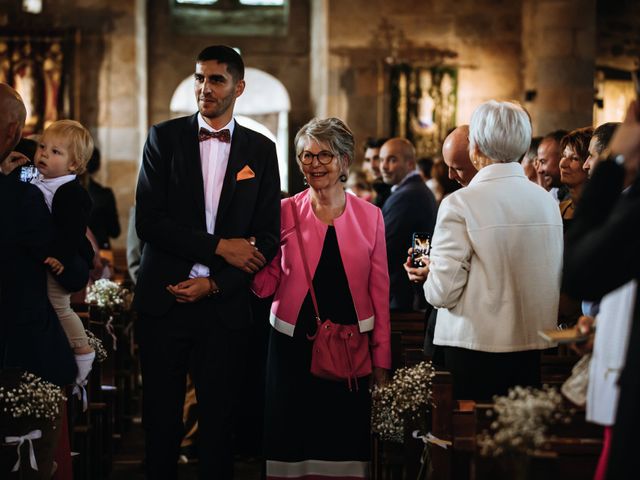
<point x="533" y="149"/>
<point x="603" y="135"/>
<point x="372" y="142"/>
<point x="425" y="164"/>
<point x="556" y="135"/>
<point x="226" y="55"/>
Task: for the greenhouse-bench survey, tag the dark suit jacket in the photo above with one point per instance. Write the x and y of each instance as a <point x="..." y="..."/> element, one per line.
<point x="104" y="221"/>
<point x="31" y="337"/>
<point x="603" y="253"/>
<point x="70" y="210"/>
<point x="411" y="208"/>
<point x="170" y="215"/>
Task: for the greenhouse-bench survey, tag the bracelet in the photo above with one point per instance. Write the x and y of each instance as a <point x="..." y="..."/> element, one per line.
<point x="212" y="288"/>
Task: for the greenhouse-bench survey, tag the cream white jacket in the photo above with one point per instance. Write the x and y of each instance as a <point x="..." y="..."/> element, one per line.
<point x="496" y="262"/>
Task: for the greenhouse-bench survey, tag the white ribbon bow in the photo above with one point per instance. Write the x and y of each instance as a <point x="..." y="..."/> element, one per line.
<point x="29" y="437"/>
<point x="429" y="438"/>
<point x="81" y="393"/>
<point x="111" y="331"/>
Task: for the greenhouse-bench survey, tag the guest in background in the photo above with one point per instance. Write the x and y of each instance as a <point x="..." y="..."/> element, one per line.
<point x="549" y="155"/>
<point x="529" y="161"/>
<point x="443" y="184"/>
<point x="371" y="165"/>
<point x="317" y="427"/>
<point x="410" y="208"/>
<point x="103" y="222"/>
<point x="600" y="139"/>
<point x="575" y="151"/>
<point x="455" y="153"/>
<point x="496" y="238"/>
<point x="359" y="185"/>
<point x="573" y="176"/>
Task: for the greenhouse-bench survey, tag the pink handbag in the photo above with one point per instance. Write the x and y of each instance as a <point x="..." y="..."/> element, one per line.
<point x="340" y="352"/>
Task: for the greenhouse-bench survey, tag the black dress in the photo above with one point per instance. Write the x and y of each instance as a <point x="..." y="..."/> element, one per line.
<point x="314" y="426"/>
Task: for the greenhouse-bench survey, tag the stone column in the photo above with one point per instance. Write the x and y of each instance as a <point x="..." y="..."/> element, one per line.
<point x="320" y="57"/>
<point x="559" y="52"/>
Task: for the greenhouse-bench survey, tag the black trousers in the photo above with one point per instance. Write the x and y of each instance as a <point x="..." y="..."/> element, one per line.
<point x="481" y="375"/>
<point x="166" y="344"/>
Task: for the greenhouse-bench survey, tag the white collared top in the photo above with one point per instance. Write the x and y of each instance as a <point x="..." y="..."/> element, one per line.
<point x="214" y="157"/>
<point x="49" y="186"/>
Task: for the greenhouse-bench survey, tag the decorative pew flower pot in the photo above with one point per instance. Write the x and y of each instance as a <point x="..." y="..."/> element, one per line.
<point x="400" y="406"/>
<point x="107" y="301"/>
<point x="515" y="442"/>
<point x="30" y="420"/>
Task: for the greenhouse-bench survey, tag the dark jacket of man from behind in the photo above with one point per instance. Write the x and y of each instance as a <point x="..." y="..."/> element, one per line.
<point x="31" y="337"/>
<point x="410" y="208"/>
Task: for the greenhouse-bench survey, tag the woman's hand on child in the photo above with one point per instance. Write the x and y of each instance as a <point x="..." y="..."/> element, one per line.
<point x="55" y="265"/>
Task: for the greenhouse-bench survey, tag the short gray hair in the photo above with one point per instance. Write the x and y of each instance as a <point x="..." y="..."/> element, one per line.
<point x="501" y="131"/>
<point x="332" y="132"/>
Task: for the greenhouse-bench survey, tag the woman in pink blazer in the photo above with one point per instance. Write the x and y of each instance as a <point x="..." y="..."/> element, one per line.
<point x="313" y="426"/>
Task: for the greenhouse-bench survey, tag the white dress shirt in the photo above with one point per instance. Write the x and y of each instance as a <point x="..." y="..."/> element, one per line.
<point x="49" y="186"/>
<point x="214" y="157"/>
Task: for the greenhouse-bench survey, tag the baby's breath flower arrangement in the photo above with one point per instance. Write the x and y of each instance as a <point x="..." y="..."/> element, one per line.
<point x="107" y="295"/>
<point x="521" y="421"/>
<point x="32" y="397"/>
<point x="98" y="347"/>
<point x="402" y="400"/>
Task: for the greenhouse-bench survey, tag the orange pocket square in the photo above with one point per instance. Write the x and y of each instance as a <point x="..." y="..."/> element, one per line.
<point x="245" y="173"/>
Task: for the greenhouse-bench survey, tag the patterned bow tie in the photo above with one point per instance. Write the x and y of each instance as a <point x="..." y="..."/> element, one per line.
<point x="222" y="135"/>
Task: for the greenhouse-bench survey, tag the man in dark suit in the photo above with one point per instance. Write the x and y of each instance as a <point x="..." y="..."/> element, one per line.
<point x="208" y="214"/>
<point x="601" y="255"/>
<point x="411" y="207"/>
<point x="31" y="337"/>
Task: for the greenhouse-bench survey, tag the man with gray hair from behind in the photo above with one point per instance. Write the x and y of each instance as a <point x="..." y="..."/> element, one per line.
<point x="494" y="270"/>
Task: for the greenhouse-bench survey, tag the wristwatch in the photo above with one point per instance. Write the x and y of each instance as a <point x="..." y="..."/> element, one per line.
<point x="212" y="289"/>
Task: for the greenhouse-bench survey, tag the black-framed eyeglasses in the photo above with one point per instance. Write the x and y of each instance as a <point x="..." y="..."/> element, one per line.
<point x="324" y="157"/>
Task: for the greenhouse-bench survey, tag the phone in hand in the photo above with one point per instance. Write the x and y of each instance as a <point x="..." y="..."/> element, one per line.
<point x="28" y="148"/>
<point x="28" y="172"/>
<point x="421" y="245"/>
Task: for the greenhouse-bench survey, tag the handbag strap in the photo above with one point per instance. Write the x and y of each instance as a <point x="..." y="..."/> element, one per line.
<point x="303" y="254"/>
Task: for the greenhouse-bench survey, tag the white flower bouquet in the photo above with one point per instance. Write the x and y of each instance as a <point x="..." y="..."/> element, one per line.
<point x="403" y="400"/>
<point x="98" y="347"/>
<point x="521" y="421"/>
<point x="30" y="417"/>
<point x="107" y="295"/>
<point x="31" y="397"/>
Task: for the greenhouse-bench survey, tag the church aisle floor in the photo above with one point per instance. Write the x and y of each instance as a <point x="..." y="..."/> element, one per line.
<point x="127" y="462"/>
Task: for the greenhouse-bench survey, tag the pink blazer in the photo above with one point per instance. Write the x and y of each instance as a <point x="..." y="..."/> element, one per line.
<point x="360" y="233"/>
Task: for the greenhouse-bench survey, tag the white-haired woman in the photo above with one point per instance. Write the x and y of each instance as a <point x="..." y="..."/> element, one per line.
<point x="318" y="427"/>
<point x="494" y="271"/>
